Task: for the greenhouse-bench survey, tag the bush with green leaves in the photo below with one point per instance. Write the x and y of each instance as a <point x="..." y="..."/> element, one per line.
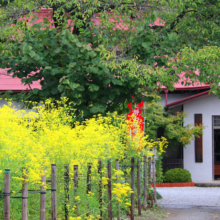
<point x="177" y="175"/>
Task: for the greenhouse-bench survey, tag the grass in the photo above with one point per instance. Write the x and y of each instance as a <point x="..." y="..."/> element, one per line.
<point x="155" y="213"/>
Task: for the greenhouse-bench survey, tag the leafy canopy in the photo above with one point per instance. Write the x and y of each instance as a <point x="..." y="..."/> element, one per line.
<point x="116" y="50"/>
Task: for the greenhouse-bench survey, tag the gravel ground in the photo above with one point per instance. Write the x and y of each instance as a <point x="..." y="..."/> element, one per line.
<point x="190" y="203"/>
<point x="193" y="196"/>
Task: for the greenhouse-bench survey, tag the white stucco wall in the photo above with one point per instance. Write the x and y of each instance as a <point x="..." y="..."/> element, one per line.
<point x="16" y="105"/>
<point x="173" y="97"/>
<point x="208" y="106"/>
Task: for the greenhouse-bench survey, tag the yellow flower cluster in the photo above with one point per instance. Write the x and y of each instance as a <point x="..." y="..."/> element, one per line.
<point x="121" y="189"/>
<point x="48" y="134"/>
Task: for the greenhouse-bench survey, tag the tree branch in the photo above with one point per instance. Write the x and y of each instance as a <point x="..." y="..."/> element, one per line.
<point x="181" y="15"/>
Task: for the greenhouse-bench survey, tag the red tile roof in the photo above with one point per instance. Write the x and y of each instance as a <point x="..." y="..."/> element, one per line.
<point x="14" y="84"/>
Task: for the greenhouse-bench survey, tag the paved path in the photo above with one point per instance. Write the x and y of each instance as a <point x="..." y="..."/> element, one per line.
<point x="198" y="196"/>
<point x="192" y="213"/>
<point x="191" y="203"/>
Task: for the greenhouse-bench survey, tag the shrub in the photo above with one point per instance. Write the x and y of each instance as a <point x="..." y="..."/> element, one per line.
<point x="177" y="175"/>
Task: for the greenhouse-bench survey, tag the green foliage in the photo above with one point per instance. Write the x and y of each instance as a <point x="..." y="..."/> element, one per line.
<point x="127" y="54"/>
<point x="159" y="169"/>
<point x="4" y="3"/>
<point x="160" y="122"/>
<point x="158" y="195"/>
<point x="70" y="68"/>
<point x="177" y="175"/>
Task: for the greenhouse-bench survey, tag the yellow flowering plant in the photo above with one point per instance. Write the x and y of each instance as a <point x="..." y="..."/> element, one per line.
<point x="46" y="135"/>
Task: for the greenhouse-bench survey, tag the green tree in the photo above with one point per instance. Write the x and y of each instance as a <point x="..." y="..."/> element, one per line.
<point x="101" y="66"/>
<point x="160" y="122"/>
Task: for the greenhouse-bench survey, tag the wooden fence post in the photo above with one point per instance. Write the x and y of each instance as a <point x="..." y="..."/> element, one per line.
<point x="53" y="191"/>
<point x="43" y="196"/>
<point x="154" y="179"/>
<point x="149" y="169"/>
<point x="150" y="180"/>
<point x="139" y="186"/>
<point x="100" y="187"/>
<point x="132" y="187"/>
<point x="109" y="190"/>
<point x="145" y="184"/>
<point x="7" y="195"/>
<point x="89" y="178"/>
<point x="76" y="178"/>
<point x="66" y="190"/>
<point x="88" y="182"/>
<point x="117" y="176"/>
<point x="24" y="194"/>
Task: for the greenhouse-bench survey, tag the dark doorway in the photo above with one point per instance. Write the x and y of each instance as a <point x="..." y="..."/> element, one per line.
<point x="173" y="158"/>
<point x="217" y="154"/>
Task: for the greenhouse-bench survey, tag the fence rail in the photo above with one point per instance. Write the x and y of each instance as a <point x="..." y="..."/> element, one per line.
<point x="140" y="204"/>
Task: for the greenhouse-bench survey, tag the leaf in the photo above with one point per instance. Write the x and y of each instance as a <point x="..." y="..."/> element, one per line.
<point x="48" y="68"/>
<point x="92" y="54"/>
<point x="97" y="109"/>
<point x="46" y="20"/>
<point x="25" y="58"/>
<point x="37" y="57"/>
<point x="24" y="80"/>
<point x="111" y="96"/>
<point x="72" y="64"/>
<point x="35" y="91"/>
<point x="106" y="81"/>
<point x="93" y="69"/>
<point x="117" y="82"/>
<point x="52" y="42"/>
<point x="132" y="83"/>
<point x="78" y="44"/>
<point x="54" y="91"/>
<point x="73" y="86"/>
<point x="93" y="88"/>
<point x="93" y="95"/>
<point x="55" y="71"/>
<point x="57" y="50"/>
<point x="78" y="101"/>
<point x="37" y="26"/>
<point x="65" y="81"/>
<point x="81" y="88"/>
<point x="146" y="44"/>
<point x="32" y="53"/>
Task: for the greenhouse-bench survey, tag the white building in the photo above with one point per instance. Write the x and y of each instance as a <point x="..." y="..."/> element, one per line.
<point x="202" y="156"/>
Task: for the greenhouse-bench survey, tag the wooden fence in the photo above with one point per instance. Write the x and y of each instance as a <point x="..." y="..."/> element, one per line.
<point x="147" y="167"/>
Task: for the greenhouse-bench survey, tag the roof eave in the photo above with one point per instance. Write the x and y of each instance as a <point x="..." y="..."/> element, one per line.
<point x="188" y="99"/>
